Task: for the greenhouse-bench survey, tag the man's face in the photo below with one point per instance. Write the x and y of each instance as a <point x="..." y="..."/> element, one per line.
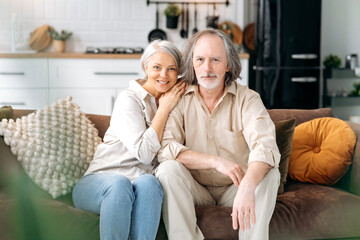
<point x="210" y="62"/>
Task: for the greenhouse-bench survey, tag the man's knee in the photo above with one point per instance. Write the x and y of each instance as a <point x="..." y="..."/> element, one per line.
<point x="168" y="168"/>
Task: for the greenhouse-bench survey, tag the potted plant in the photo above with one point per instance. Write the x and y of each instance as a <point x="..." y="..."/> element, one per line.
<point x="59" y="39"/>
<point x="172" y="13"/>
<point x="331" y="61"/>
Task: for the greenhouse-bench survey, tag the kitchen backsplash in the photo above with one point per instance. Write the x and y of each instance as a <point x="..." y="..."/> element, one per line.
<point x="101" y="23"/>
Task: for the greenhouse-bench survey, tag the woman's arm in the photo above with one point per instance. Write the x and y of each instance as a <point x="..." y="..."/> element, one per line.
<point x="166" y="104"/>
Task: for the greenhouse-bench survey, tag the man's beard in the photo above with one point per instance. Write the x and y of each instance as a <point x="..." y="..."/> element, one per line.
<point x="206" y="83"/>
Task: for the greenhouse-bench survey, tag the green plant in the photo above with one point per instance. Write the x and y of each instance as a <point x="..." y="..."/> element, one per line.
<point x="172" y="10"/>
<point x="356" y="91"/>
<point x="332" y="61"/>
<point x="64" y="35"/>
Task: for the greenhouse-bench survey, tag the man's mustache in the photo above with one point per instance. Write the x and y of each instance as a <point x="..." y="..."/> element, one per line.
<point x="206" y="75"/>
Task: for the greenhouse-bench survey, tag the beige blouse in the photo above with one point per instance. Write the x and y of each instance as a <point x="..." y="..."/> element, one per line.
<point x="239" y="129"/>
<point x="130" y="144"/>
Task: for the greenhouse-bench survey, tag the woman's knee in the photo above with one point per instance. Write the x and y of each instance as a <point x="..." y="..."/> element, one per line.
<point x="117" y="185"/>
<point x="148" y="184"/>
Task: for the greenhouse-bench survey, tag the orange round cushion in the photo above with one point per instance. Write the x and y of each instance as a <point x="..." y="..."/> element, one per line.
<point x="322" y="150"/>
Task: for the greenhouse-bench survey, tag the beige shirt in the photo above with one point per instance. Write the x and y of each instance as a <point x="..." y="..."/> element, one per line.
<point x="239" y="129"/>
<point x="130" y="143"/>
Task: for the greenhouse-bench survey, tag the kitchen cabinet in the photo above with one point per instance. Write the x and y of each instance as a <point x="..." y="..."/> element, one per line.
<point x="23" y="83"/>
<point x="93" y="83"/>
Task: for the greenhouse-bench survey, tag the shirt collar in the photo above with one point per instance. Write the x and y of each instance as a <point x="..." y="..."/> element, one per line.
<point x="136" y="87"/>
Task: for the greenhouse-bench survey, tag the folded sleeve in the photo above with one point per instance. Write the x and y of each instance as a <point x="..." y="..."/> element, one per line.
<point x="259" y="132"/>
<point x="129" y="125"/>
<point x="174" y="135"/>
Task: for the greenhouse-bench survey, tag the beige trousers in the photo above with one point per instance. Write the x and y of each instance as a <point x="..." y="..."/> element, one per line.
<point x="182" y="193"/>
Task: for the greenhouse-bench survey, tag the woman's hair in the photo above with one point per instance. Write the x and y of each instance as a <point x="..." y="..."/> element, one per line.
<point x="165" y="46"/>
<point x="233" y="60"/>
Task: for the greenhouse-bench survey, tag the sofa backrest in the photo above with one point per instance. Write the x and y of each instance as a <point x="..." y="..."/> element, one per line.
<point x="102" y="122"/>
<point x="300" y="115"/>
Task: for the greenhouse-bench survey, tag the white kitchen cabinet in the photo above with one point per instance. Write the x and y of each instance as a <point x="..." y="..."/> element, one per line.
<point x="23" y="83"/>
<point x="95" y="101"/>
<point x="93" y="83"/>
<point x="23" y="98"/>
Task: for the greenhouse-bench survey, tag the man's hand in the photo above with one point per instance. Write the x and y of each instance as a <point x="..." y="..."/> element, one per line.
<point x="230" y="169"/>
<point x="244" y="207"/>
<point x="244" y="203"/>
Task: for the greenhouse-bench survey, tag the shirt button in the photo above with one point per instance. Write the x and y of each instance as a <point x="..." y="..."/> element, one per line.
<point x="214" y="171"/>
<point x="210" y="119"/>
<point x="210" y="136"/>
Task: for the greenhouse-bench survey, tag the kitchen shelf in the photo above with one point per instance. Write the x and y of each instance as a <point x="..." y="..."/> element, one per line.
<point x="340" y="73"/>
<point x="345" y="101"/>
<point x="226" y="2"/>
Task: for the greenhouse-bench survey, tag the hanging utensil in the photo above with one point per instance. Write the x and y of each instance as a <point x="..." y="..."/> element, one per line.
<point x="187" y="21"/>
<point x="182" y="31"/>
<point x="212" y="21"/>
<point x="157" y="33"/>
<point x="195" y="30"/>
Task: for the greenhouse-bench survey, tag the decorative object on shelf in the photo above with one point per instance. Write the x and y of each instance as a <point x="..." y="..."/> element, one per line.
<point x="59" y="39"/>
<point x="356" y="91"/>
<point x="332" y="61"/>
<point x="39" y="38"/>
<point x="351" y="61"/>
<point x="172" y="13"/>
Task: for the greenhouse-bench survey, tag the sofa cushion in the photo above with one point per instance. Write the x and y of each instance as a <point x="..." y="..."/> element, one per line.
<point x="311" y="211"/>
<point x="322" y="150"/>
<point x="54" y="145"/>
<point x="304" y="211"/>
<point x="284" y="137"/>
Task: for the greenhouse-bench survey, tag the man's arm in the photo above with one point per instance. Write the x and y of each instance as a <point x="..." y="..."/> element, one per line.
<point x="244" y="202"/>
<point x="195" y="160"/>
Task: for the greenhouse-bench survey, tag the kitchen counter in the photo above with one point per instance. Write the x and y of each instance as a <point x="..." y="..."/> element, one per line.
<point x="81" y="55"/>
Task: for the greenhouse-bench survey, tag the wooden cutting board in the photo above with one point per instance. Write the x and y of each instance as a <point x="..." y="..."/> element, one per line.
<point x="39" y="39"/>
<point x="249" y="36"/>
<point x="229" y="27"/>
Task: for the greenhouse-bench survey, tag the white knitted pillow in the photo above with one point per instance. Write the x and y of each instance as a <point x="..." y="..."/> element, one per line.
<point x="54" y="145"/>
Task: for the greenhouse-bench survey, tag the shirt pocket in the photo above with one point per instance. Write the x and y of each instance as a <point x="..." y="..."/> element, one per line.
<point x="233" y="146"/>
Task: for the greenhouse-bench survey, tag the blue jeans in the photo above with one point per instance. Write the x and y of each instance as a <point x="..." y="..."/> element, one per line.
<point x="127" y="210"/>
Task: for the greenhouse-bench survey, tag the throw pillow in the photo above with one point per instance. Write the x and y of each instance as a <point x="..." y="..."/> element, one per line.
<point x="284" y="137"/>
<point x="54" y="145"/>
<point x="322" y="151"/>
<point x="6" y="112"/>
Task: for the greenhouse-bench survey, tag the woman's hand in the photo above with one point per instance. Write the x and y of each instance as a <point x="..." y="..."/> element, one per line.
<point x="168" y="100"/>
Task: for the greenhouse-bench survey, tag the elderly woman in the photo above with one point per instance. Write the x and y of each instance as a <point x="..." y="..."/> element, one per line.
<point x="119" y="184"/>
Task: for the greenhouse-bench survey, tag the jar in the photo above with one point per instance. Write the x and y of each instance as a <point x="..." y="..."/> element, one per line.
<point x="351" y="61"/>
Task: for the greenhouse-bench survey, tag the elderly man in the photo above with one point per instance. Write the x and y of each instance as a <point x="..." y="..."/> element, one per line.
<point x="219" y="145"/>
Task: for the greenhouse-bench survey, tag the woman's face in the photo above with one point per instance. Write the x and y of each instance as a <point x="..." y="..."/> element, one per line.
<point x="161" y="73"/>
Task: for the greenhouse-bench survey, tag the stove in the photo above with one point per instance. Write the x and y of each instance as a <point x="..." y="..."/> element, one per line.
<point x="114" y="50"/>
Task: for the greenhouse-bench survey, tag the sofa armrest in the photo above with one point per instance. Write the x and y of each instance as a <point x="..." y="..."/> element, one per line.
<point x="351" y="180"/>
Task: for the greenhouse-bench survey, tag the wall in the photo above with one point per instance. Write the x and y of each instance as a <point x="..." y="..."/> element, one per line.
<point x="341" y="36"/>
<point x="99" y="23"/>
<point x="340" y="28"/>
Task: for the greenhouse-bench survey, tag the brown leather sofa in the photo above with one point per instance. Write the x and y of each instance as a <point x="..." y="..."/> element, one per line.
<point x="303" y="211"/>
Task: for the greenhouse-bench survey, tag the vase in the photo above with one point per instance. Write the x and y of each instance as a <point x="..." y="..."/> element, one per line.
<point x="172" y="22"/>
<point x="59" y="46"/>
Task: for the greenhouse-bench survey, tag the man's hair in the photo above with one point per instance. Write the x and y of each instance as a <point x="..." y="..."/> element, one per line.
<point x="165" y="46"/>
<point x="233" y="60"/>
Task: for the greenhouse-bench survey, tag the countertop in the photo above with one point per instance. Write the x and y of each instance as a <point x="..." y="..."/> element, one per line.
<point x="82" y="55"/>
